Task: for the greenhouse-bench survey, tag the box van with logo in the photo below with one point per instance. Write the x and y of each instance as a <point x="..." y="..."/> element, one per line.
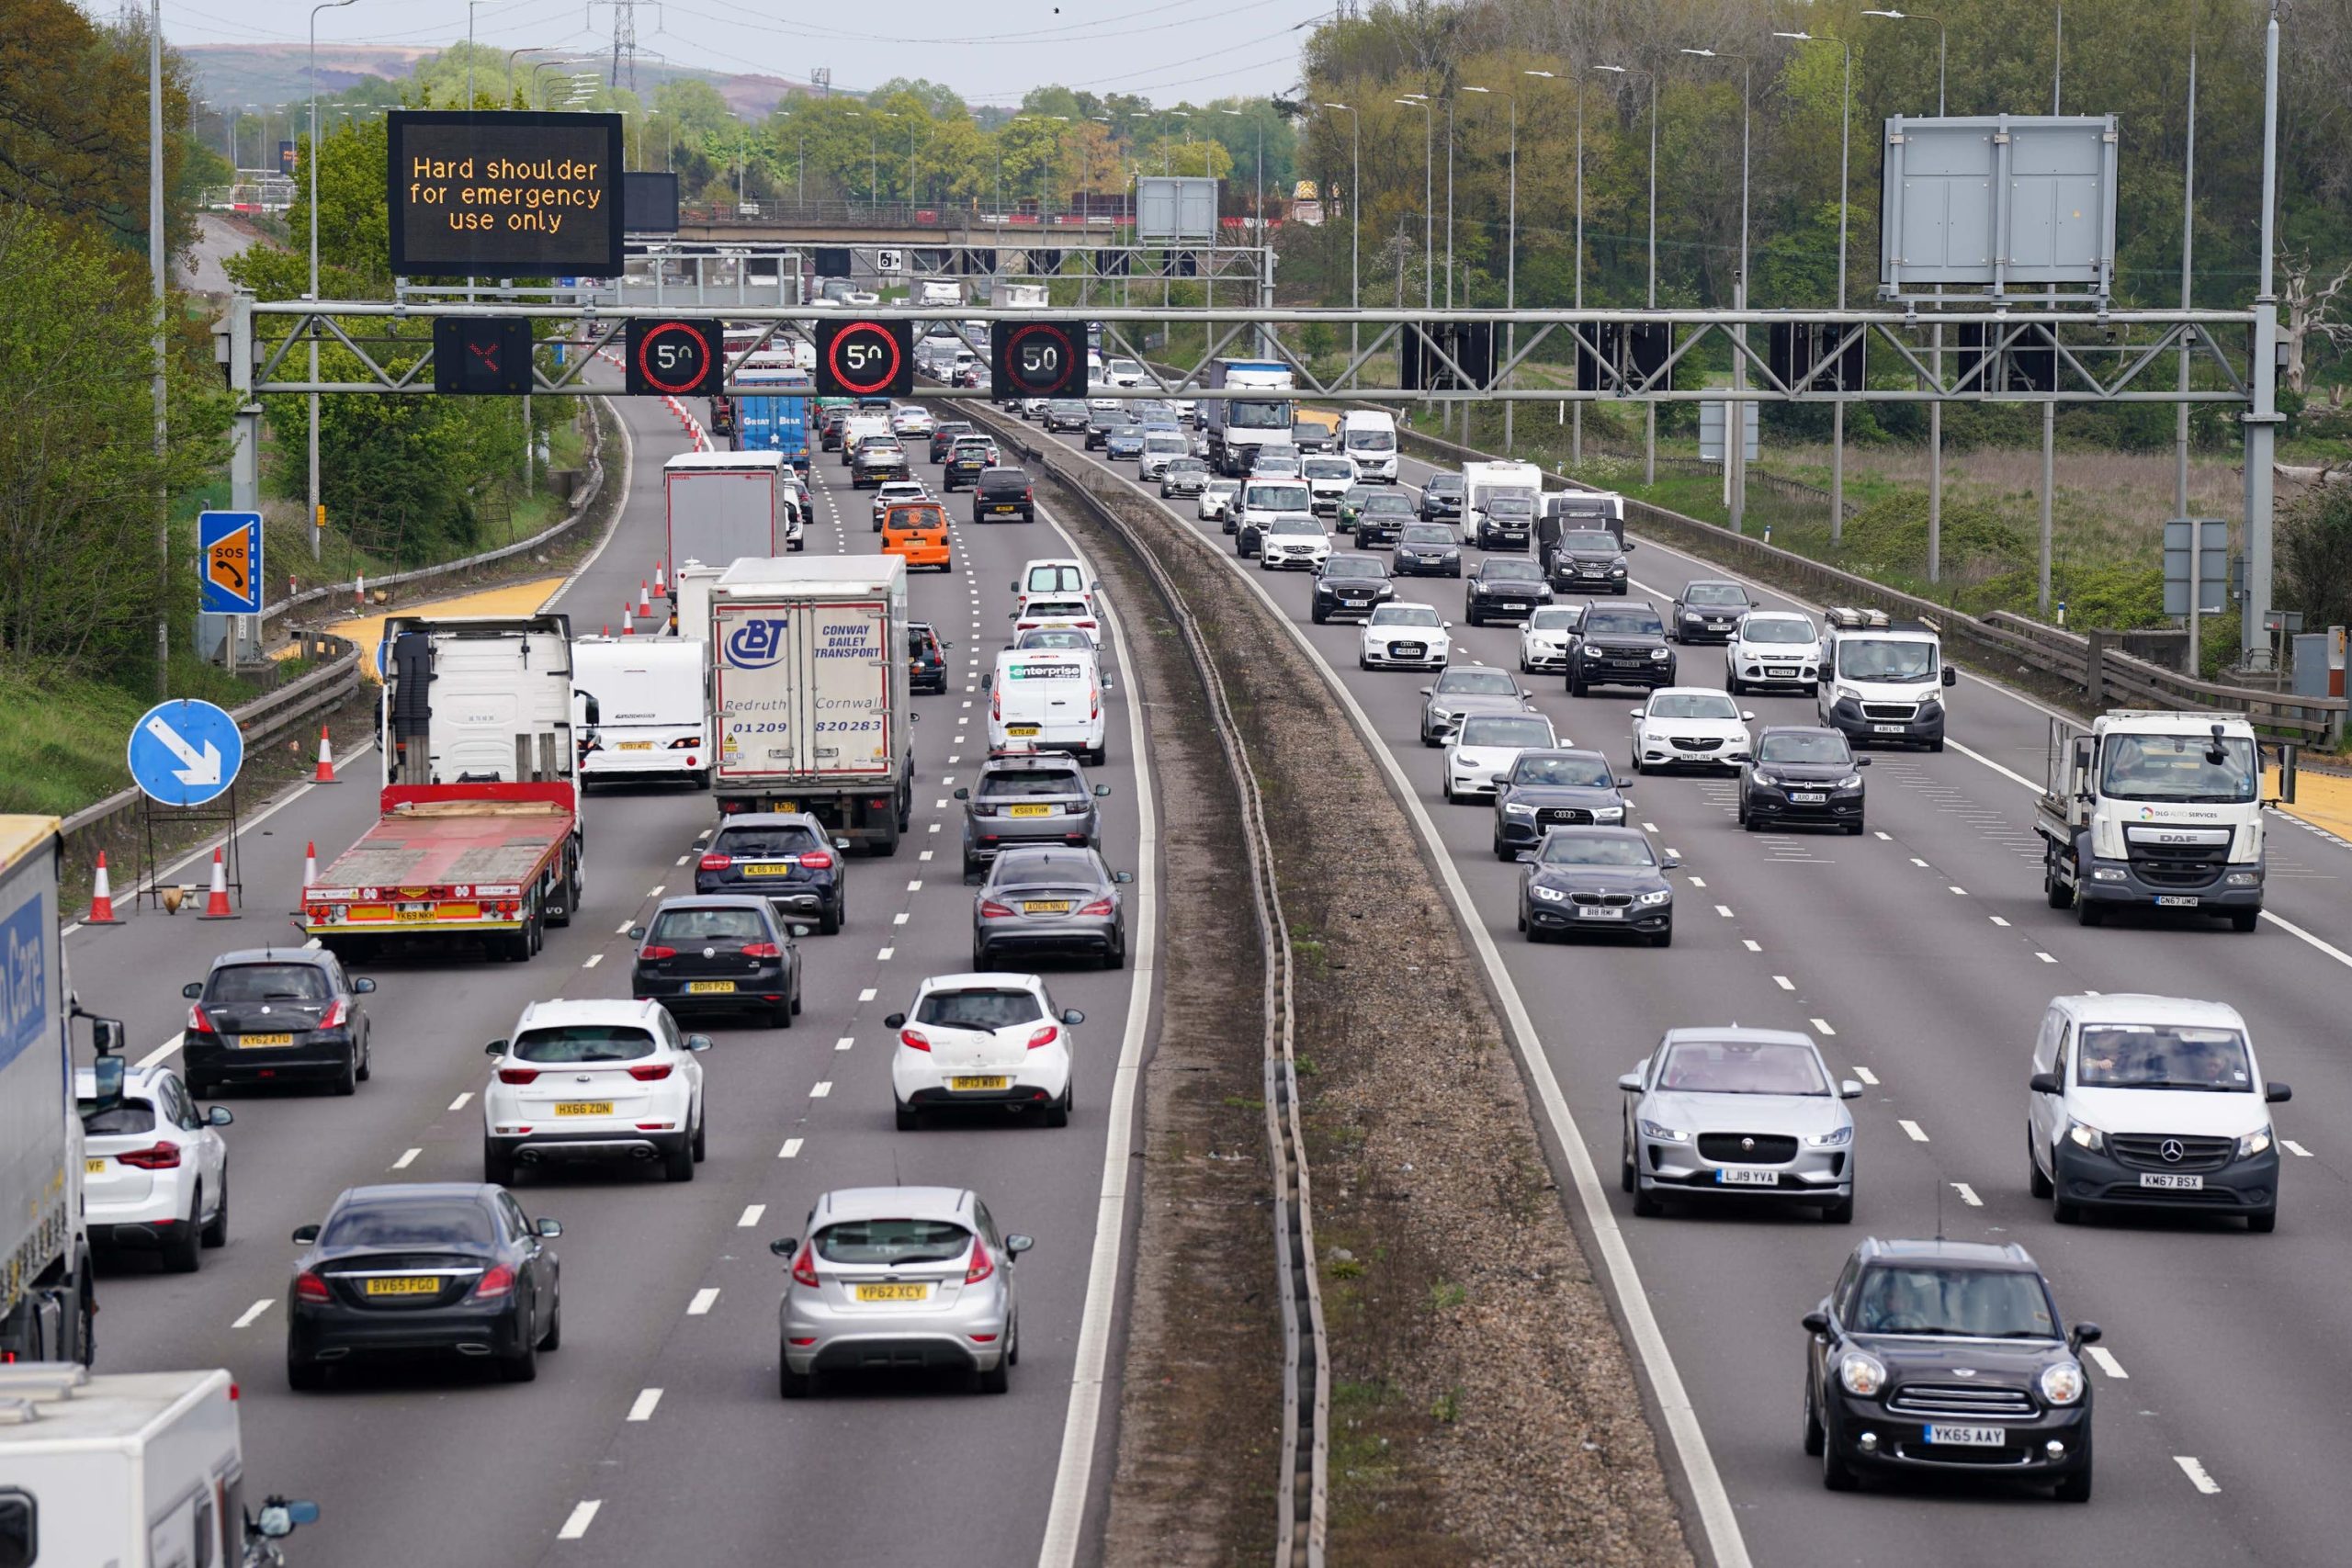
<point x="1047" y="697"/>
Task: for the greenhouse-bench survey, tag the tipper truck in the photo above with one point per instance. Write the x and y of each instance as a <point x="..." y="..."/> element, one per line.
<point x="47" y="1296"/>
<point x="809" y="686"/>
<point x="478" y="837"/>
<point x="2155" y="809"/>
<point x="1237" y="427"/>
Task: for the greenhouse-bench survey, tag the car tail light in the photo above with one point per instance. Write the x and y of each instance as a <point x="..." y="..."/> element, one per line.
<point x="1093" y="702"/>
<point x="983" y="1264"/>
<point x="715" y="863"/>
<point x="657" y="951"/>
<point x="1100" y="906"/>
<point x="497" y="1283"/>
<point x="685" y="743"/>
<point x="160" y="1156"/>
<point x="652" y="1072"/>
<point x="1044" y="1036"/>
<point x="914" y="1040"/>
<point x="761" y="950"/>
<point x="992" y="910"/>
<point x="198" y="1022"/>
<point x="334" y="1017"/>
<point x="518" y="1075"/>
<point x="996" y="703"/>
<point x="804" y="1267"/>
<point x="817" y="860"/>
<point x="309" y="1287"/>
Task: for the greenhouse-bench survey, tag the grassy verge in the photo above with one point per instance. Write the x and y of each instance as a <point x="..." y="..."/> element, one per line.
<point x="61" y="738"/>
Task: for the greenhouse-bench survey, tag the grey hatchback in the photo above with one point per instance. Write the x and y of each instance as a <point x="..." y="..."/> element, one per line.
<point x="1042" y="899"/>
<point x="1026" y="797"/>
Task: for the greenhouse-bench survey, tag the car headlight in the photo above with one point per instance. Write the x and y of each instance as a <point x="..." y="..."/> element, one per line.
<point x="2086" y="1136"/>
<point x="1932" y="698"/>
<point x="2243" y="879"/>
<point x="1655" y="897"/>
<point x="2254" y="1143"/>
<point x="1836" y="1138"/>
<point x="1513" y="809"/>
<point x="1609" y="814"/>
<point x="1861" y="1373"/>
<point x="1768" y="780"/>
<point x="1845" y="695"/>
<point x="1660" y="1133"/>
<point x="1851" y="781"/>
<point x="2061" y="1382"/>
<point x="1616" y="571"/>
<point x="1691" y="615"/>
<point x="1549" y="894"/>
<point x="1661" y="653"/>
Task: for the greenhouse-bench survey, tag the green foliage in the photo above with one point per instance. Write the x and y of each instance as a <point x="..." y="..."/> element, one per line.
<point x="1891" y="536"/>
<point x="2315" y="540"/>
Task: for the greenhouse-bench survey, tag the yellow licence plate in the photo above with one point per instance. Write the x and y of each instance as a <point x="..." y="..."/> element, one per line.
<point x="247" y="1042"/>
<point x="94" y="1167"/>
<point x="770" y="868"/>
<point x="894" y="1292"/>
<point x="979" y="1083"/>
<point x="1028" y="811"/>
<point x="584" y="1108"/>
<point x="1021" y="729"/>
<point x="403" y="1285"/>
<point x="708" y="988"/>
<point x="636" y="745"/>
<point x="1046" y="907"/>
<point x="786" y="806"/>
<point x="413" y="912"/>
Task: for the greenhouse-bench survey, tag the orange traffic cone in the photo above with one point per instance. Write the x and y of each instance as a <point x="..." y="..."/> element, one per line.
<point x="359" y="588"/>
<point x="658" y="586"/>
<point x="326" y="774"/>
<point x="310" y="875"/>
<point x="644" y="600"/>
<point x="629" y="611"/>
<point x="101" y="898"/>
<point x="216" y="903"/>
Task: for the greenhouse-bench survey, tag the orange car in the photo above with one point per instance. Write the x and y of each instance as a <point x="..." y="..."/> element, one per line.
<point x="919" y="532"/>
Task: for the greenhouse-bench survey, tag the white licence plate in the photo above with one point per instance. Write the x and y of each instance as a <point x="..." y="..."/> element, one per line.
<point x="1779" y="675"/>
<point x="1886" y="729"/>
<point x="1807" y="796"/>
<point x="2168" y="1181"/>
<point x="1747" y="1176"/>
<point x="2176" y="901"/>
<point x="1599" y="912"/>
<point x="1968" y="1437"/>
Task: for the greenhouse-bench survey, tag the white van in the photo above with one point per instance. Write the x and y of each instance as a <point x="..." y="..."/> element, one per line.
<point x="1047" y="697"/>
<point x="1370" y="438"/>
<point x="1057" y="576"/>
<point x="641" y="709"/>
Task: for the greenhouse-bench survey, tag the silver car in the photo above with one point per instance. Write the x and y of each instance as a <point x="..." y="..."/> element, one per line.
<point x="898" y="1278"/>
<point x="1738" y="1111"/>
<point x="1043" y="900"/>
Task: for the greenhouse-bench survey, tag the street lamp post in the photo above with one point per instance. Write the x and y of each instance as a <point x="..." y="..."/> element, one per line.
<point x="1649" y="409"/>
<point x="1845" y="148"/>
<point x="313" y="160"/>
<point x="1510" y="257"/>
<point x="1428" y="196"/>
<point x="1941" y="39"/>
<point x="1355" y="225"/>
<point x="1936" y="405"/>
<point x="1735" y="411"/>
<point x="1576" y="431"/>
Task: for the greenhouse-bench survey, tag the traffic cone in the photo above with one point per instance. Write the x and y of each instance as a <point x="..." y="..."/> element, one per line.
<point x="310" y="875"/>
<point x="359" y="590"/>
<point x="658" y="585"/>
<point x="644" y="600"/>
<point x="216" y="903"/>
<point x="628" y="614"/>
<point x="326" y="774"/>
<point x="101" y="898"/>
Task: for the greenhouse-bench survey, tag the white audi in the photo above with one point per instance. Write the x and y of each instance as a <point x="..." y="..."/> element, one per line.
<point x="1485" y="746"/>
<point x="1691" y="727"/>
<point x="610" y="1079"/>
<point x="1405" y="637"/>
<point x="990" y="1043"/>
<point x="1543" y="638"/>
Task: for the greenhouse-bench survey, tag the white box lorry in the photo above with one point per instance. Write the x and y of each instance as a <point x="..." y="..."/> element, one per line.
<point x="1237" y="427"/>
<point x="690" y="586"/>
<point x="134" y="1470"/>
<point x="643" y="709"/>
<point x="725" y="506"/>
<point x="809" y="691"/>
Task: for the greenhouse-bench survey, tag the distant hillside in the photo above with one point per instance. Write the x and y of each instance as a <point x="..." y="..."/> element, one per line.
<point x="279" y="74"/>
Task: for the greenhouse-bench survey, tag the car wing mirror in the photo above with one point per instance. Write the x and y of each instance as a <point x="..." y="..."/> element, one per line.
<point x="105" y="1038"/>
<point x="800" y="930"/>
<point x="894" y="1021"/>
<point x="305" y="1236"/>
<point x="496" y="1048"/>
<point x="1122" y="877"/>
<point x="193" y="989"/>
<point x="1102" y="791"/>
<point x="1630" y="1082"/>
<point x="988" y="680"/>
<point x="1850" y="1089"/>
<point x="1429" y="691"/>
<point x="2086" y="1334"/>
<point x="1861" y="762"/>
<point x="1014" y="1246"/>
<point x="1814" y="1322"/>
<point x="963" y="795"/>
<point x="2276" y="1094"/>
<point x="1525" y="857"/>
<point x="1625" y="784"/>
<point x="1073" y="1017"/>
<point x="276" y="1520"/>
<point x="1627" y="546"/>
<point x="218" y="1116"/>
<point x="1671" y="862"/>
<point x="637" y="934"/>
<point x="363" y="987"/>
<point x="2044" y="1083"/>
<point x="697" y="1042"/>
<point x="784" y="1249"/>
<point x="842" y="844"/>
<point x="1951" y="676"/>
<point x="1747" y="717"/>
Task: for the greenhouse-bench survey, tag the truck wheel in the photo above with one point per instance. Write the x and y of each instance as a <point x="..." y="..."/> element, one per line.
<point x="2056" y="894"/>
<point x="2086" y="912"/>
<point x="567" y="894"/>
<point x="2244" y="920"/>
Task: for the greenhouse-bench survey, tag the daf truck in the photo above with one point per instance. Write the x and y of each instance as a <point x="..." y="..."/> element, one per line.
<point x="1237" y="427"/>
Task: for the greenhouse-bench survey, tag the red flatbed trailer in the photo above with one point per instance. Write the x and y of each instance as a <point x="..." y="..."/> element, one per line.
<point x="482" y="861"/>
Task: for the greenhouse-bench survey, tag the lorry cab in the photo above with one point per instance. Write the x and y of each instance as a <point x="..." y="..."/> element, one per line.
<point x="1882" y="681"/>
<point x="1049" y="698"/>
<point x="641" y="709"/>
<point x="918" y="531"/>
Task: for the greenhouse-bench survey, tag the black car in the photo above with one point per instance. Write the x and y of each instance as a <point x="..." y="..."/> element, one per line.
<point x="1596" y="879"/>
<point x="926" y="659"/>
<point x="1801" y="773"/>
<point x="1619" y="645"/>
<point x="1123" y="443"/>
<point x="1946" y="1358"/>
<point x="1350" y="585"/>
<point x="828" y="429"/>
<point x="1561" y="788"/>
<point x="1309" y="436"/>
<point x="1029" y="797"/>
<point x="1064" y="413"/>
<point x="719" y="954"/>
<point x="782" y="857"/>
<point x="1463" y="689"/>
<point x="423" y="1266"/>
<point x="276" y="1015"/>
<point x="1708" y="610"/>
<point x="1442" y="497"/>
<point x="1508" y="522"/>
<point x="1382" y="518"/>
<point x="1427" y="549"/>
<point x="1501" y="588"/>
<point x="967" y="461"/>
<point x="1100" y="424"/>
<point x="1004" y="492"/>
<point x="945" y="434"/>
<point x="1588" y="560"/>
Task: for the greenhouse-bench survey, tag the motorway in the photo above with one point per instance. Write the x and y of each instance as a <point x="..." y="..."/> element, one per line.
<point x="1921" y="956"/>
<point x="656" y="1435"/>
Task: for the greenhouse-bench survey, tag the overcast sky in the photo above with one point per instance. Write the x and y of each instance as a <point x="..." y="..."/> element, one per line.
<point x="989" y="51"/>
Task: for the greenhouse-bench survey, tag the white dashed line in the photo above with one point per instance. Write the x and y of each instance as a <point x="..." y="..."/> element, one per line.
<point x="1998" y="922"/>
<point x="915" y="887"/>
<point x="1823" y="1025"/>
<point x="1917" y="860"/>
<point x="682" y="859"/>
<point x="621" y="930"/>
<point x="869" y="994"/>
<point x="883" y="956"/>
<point x="1725" y="910"/>
<point x="1961" y="891"/>
<point x="791" y="1149"/>
<point x="1912" y="1130"/>
<point x="934" y="826"/>
<point x="2196" y="1473"/>
<point x="1698" y="882"/>
<point x="1968" y="1194"/>
<point x="642" y="1410"/>
<point x="253" y="1312"/>
<point x="819" y="1090"/>
<point x="928" y="853"/>
<point x="655" y="891"/>
<point x="2045" y="958"/>
<point x="406" y="1159"/>
<point x="160" y="1052"/>
<point x="459" y="1103"/>
<point x="2294" y="1148"/>
<point x="1752" y="945"/>
<point x="1867" y="1076"/>
<point x="750" y="1216"/>
<point x="2106" y="1361"/>
<point x="1883" y="838"/>
<point x="582" y="1516"/>
<point x="705" y="1299"/>
<point x="1784" y="981"/>
<point x="593" y="959"/>
<point x="1649" y="826"/>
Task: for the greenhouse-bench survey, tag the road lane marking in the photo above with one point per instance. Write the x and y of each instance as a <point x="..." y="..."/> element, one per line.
<point x="1968" y="1194"/>
<point x="647" y="1398"/>
<point x="1698" y="882"/>
<point x="934" y="826"/>
<point x="2294" y="1147"/>
<point x="253" y="1312"/>
<point x="1823" y="1025"/>
<point x="2196" y="1473"/>
<point x="1917" y="860"/>
<point x="820" y="1091"/>
<point x="751" y="1216"/>
<point x="868" y="995"/>
<point x="593" y="959"/>
<point x="915" y="887"/>
<point x="1867" y="1076"/>
<point x="655" y="891"/>
<point x="899" y="918"/>
<point x="406" y="1159"/>
<point x="1912" y="1130"/>
<point x="883" y="956"/>
<point x="621" y="930"/>
<point x="682" y="859"/>
<point x="2107" y="1363"/>
<point x="791" y="1149"/>
<point x="582" y="1516"/>
<point x="1883" y="838"/>
<point x="2045" y="958"/>
<point x="1725" y="910"/>
<point x="160" y="1052"/>
<point x="1961" y="891"/>
<point x="1752" y="945"/>
<point x="1998" y="922"/>
<point x="705" y="1299"/>
<point x="1649" y="826"/>
<point x="928" y="853"/>
<point x="1784" y="981"/>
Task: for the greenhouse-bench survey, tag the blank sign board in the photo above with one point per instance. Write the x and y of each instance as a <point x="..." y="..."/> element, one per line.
<point x="1998" y="202"/>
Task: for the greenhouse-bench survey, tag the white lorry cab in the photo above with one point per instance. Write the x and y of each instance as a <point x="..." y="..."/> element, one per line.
<point x="642" y="708"/>
<point x="1882" y="681"/>
<point x="1047" y="697"/>
<point x="1369" y="437"/>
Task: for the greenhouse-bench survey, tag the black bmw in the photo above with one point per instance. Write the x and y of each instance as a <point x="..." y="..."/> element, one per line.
<point x="1596" y="879"/>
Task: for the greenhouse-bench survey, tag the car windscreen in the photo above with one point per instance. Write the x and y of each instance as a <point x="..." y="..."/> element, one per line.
<point x="1694" y="704"/>
<point x="1614" y="848"/>
<point x="409" y="1222"/>
<point x="1776" y="629"/>
<point x="899" y="519"/>
<point x="1055" y="579"/>
<point x="569" y="1043"/>
<point x="1482" y="682"/>
<point x="267" y="982"/>
<point x="1370" y="440"/>
<point x="997" y="479"/>
<point x="1564" y="772"/>
<point x="979" y="1009"/>
<point x="1714" y="594"/>
<point x="750" y="842"/>
<point x="1884" y="659"/>
<point x="1301" y="523"/>
<point x="1426" y="534"/>
<point x="2114" y="1055"/>
<point x="1518" y="507"/>
<point x="2185" y="768"/>
<point x="1554" y="618"/>
<point x="1329" y="468"/>
<point x="1599" y="622"/>
<point x="679" y="928"/>
<point x="1389" y="500"/>
<point x="1936" y="1299"/>
<point x="1275" y="497"/>
<point x="1444" y="484"/>
<point x="1355" y="566"/>
<point x="1822" y="747"/>
<point x="1045" y="871"/>
<point x="1036" y="608"/>
<point x="1511" y="571"/>
<point x="127" y="1116"/>
<point x="1742" y="1066"/>
<point x="1404" y="616"/>
<point x="1507" y="729"/>
<point x="997" y="784"/>
<point x="1592" y="541"/>
<point x="891" y="1242"/>
<point x="1053" y="637"/>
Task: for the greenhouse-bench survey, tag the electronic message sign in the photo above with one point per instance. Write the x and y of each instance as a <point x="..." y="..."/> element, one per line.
<point x="504" y="194"/>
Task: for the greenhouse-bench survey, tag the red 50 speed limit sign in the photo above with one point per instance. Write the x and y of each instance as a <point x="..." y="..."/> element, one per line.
<point x="675" y="358"/>
<point x="866" y="360"/>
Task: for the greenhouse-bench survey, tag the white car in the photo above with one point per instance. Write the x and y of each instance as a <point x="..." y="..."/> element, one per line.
<point x="1691" y="727"/>
<point x="910" y="421"/>
<point x="1218" y="498"/>
<point x="859" y="298"/>
<point x="1033" y="407"/>
<point x="1124" y="373"/>
<point x="1327" y="480"/>
<point x="1059" y="577"/>
<point x="896" y="492"/>
<point x="158" y="1171"/>
<point x="610" y="1079"/>
<point x="1543" y="638"/>
<point x="1773" y="648"/>
<point x="1049" y="612"/>
<point x="1405" y="637"/>
<point x="1485" y="746"/>
<point x="992" y="1042"/>
<point x="1292" y="539"/>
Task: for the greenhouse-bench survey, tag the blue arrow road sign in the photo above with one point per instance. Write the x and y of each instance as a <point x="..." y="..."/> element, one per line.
<point x="184" y="752"/>
<point x="228" y="562"/>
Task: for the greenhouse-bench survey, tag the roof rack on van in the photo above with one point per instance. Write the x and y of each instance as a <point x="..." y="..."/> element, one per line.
<point x="1849" y="619"/>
